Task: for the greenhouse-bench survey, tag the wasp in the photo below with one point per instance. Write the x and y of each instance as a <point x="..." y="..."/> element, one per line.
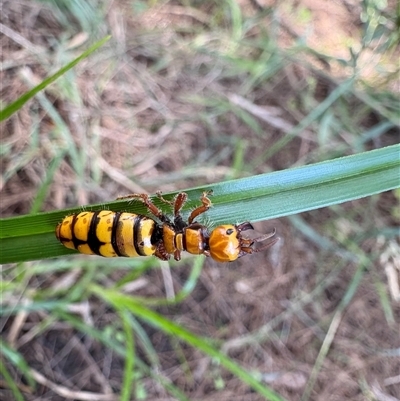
<point x="112" y="234"/>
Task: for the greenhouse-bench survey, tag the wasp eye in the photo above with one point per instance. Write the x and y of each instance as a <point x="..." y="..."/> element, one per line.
<point x="229" y="231"/>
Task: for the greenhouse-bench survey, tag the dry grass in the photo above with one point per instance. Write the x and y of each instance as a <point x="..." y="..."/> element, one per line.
<point x="162" y="108"/>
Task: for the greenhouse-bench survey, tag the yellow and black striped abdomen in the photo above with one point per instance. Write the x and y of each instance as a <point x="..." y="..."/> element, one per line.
<point x="108" y="234"/>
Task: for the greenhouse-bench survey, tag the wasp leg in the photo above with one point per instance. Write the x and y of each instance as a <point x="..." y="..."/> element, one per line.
<point x="162" y="199"/>
<point x="178" y="202"/>
<point x="177" y="254"/>
<point x="132" y="196"/>
<point x="151" y="207"/>
<point x="206" y="204"/>
<point x="161" y="253"/>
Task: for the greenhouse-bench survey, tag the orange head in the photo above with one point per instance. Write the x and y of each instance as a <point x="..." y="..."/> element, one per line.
<point x="226" y="243"/>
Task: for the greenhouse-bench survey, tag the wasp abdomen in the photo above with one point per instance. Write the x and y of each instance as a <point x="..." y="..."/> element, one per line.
<point x="108" y="234"/>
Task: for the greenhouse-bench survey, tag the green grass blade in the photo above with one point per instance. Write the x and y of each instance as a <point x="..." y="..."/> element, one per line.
<point x="125" y="302"/>
<point x="387" y="308"/>
<point x="334" y="325"/>
<point x="313" y="116"/>
<point x="13" y="107"/>
<point x="128" y="380"/>
<point x="256" y="198"/>
<point x="112" y="343"/>
<point x="42" y="192"/>
<point x="10" y="382"/>
<point x="17" y="360"/>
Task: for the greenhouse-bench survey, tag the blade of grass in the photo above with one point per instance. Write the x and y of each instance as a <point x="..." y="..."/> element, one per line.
<point x="330" y="335"/>
<point x="112" y="343"/>
<point x="62" y="132"/>
<point x="122" y="301"/>
<point x="13" y="107"/>
<point x="197" y="267"/>
<point x="17" y="360"/>
<point x="316" y="113"/>
<point x="42" y="191"/>
<point x="59" y="312"/>
<point x="145" y="342"/>
<point x="254" y="198"/>
<point x="237" y="23"/>
<point x="129" y="367"/>
<point x="381" y="290"/>
<point x="10" y="382"/>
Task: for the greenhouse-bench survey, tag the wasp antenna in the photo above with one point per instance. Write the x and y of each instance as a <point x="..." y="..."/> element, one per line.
<point x="266" y="236"/>
<point x="267" y="244"/>
<point x="244" y="226"/>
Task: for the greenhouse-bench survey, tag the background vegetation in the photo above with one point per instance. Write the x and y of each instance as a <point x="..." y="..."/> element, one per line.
<point x="187" y="94"/>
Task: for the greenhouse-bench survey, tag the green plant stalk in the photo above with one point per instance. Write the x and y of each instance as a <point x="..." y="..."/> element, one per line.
<point x="256" y="198"/>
